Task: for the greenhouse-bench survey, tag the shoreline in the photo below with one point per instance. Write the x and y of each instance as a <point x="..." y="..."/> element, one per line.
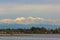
<point x="25" y="34"/>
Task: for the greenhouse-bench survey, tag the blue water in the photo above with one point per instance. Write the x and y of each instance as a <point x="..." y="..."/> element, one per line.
<point x="32" y="37"/>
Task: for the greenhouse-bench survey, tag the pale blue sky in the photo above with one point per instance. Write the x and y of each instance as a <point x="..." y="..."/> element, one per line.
<point x="30" y="11"/>
<point x="29" y="1"/>
<point x="25" y="8"/>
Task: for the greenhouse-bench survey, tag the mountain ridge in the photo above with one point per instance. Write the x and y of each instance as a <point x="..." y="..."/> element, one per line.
<point x="23" y="26"/>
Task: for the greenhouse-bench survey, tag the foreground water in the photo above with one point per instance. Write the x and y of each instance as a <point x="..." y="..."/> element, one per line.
<point x="32" y="37"/>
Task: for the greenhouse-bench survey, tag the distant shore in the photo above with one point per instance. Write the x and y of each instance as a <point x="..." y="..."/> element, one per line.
<point x="33" y="30"/>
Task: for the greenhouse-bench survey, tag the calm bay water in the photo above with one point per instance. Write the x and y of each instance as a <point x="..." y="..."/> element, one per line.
<point x="32" y="37"/>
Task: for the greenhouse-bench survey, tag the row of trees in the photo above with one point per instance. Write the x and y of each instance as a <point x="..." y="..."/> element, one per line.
<point x="33" y="30"/>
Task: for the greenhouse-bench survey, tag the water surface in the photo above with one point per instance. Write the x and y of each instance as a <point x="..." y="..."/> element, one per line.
<point x="32" y="37"/>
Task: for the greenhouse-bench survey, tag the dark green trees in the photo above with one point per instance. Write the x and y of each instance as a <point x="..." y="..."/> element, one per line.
<point x="33" y="30"/>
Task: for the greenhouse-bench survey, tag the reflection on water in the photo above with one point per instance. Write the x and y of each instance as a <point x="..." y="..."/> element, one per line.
<point x="32" y="37"/>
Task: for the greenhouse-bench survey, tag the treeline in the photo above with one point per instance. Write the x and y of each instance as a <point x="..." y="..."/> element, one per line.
<point x="33" y="30"/>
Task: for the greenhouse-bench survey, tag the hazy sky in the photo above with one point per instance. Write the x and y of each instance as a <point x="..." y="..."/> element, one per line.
<point x="12" y="9"/>
<point x="25" y="8"/>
